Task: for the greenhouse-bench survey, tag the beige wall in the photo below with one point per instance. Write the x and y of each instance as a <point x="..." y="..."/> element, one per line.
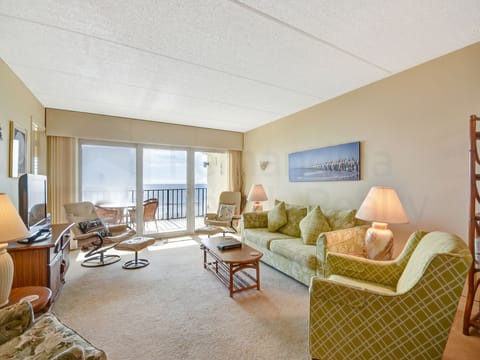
<point x="112" y="128"/>
<point x="18" y="104"/>
<point x="413" y="128"/>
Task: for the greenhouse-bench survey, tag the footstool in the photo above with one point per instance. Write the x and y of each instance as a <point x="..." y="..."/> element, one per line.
<point x="135" y="244"/>
<point x="208" y="230"/>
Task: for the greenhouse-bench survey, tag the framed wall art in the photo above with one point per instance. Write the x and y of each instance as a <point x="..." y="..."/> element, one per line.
<point x="332" y="163"/>
<point x="18" y="151"/>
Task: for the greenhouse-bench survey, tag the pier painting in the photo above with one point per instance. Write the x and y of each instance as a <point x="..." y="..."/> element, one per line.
<point x="332" y="163"/>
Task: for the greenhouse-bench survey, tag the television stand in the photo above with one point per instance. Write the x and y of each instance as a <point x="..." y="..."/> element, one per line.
<point x="43" y="263"/>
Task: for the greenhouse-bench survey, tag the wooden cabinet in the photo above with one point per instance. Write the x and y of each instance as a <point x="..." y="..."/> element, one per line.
<point x="43" y="263"/>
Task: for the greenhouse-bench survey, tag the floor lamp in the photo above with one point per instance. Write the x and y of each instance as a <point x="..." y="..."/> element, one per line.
<point x="12" y="228"/>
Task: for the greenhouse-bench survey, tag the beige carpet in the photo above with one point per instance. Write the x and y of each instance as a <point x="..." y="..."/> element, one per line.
<point x="174" y="309"/>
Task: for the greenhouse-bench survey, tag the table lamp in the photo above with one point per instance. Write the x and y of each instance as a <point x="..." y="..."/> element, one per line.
<point x="381" y="206"/>
<point x="12" y="228"/>
<point x="257" y="194"/>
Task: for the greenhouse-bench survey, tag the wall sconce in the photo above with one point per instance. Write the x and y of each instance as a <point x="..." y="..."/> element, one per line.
<point x="263" y="164"/>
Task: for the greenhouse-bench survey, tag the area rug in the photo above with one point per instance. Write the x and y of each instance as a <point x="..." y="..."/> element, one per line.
<point x="174" y="309"/>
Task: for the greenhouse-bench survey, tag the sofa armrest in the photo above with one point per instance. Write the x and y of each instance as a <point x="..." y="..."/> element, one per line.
<point x="381" y="272"/>
<point x="14" y="320"/>
<point x="251" y="220"/>
<point x="346" y="241"/>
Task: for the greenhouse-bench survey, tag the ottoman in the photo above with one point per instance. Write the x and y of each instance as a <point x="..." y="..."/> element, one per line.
<point x="135" y="244"/>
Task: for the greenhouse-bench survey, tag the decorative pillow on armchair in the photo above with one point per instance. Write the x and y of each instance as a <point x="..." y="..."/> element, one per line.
<point x="225" y="212"/>
<point x="91" y="226"/>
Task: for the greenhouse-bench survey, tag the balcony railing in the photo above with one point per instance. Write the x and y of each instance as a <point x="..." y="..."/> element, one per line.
<point x="172" y="202"/>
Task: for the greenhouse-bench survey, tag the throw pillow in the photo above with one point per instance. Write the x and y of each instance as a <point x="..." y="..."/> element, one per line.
<point x="91" y="226"/>
<point x="277" y="217"/>
<point x="294" y="216"/>
<point x="341" y="219"/>
<point x="225" y="212"/>
<point x="313" y="225"/>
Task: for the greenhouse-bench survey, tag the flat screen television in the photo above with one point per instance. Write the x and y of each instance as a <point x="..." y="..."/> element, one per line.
<point x="32" y="205"/>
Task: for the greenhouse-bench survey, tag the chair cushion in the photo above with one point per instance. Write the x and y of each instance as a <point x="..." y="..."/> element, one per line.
<point x="313" y="225"/>
<point x="95" y="225"/>
<point x="225" y="212"/>
<point x="277" y="217"/>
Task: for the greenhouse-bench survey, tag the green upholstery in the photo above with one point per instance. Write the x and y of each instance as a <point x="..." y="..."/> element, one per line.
<point x="45" y="338"/>
<point x="368" y="316"/>
<point x="290" y="254"/>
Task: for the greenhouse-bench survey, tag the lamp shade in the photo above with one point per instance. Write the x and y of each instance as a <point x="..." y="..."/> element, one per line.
<point x="257" y="193"/>
<point x="12" y="227"/>
<point x="382" y="205"/>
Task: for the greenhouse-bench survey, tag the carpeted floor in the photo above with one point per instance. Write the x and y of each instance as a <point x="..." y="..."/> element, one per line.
<point x="174" y="309"/>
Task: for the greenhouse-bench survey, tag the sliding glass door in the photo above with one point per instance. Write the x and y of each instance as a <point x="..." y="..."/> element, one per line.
<point x="211" y="178"/>
<point x="165" y="181"/>
<point x="158" y="191"/>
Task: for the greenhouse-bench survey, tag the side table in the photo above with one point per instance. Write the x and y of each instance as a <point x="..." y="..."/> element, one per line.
<point x="40" y="297"/>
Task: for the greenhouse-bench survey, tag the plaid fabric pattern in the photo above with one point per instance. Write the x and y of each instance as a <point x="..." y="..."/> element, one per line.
<point x="351" y="322"/>
<point x="382" y="272"/>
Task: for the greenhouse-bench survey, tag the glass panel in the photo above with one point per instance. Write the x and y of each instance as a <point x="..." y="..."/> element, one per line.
<point x="108" y="180"/>
<point x="165" y="180"/>
<point x="211" y="178"/>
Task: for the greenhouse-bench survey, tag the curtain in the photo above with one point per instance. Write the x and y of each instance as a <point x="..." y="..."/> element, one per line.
<point x="236" y="178"/>
<point x="62" y="175"/>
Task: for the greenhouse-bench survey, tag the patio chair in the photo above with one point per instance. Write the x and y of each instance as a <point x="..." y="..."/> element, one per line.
<point x="89" y="230"/>
<point x="150" y="207"/>
<point x="228" y="213"/>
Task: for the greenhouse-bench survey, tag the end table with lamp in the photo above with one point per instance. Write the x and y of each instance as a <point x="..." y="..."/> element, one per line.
<point x="382" y="206"/>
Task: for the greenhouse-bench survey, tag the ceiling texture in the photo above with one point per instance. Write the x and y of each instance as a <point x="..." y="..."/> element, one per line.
<point x="223" y="64"/>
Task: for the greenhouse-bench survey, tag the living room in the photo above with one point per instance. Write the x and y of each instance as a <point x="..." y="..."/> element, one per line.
<point x="413" y="129"/>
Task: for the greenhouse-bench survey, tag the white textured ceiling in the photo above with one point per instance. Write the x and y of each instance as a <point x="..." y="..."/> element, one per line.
<point x="222" y="64"/>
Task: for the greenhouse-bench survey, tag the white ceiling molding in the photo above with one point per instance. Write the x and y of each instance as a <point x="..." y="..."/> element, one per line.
<point x="231" y="65"/>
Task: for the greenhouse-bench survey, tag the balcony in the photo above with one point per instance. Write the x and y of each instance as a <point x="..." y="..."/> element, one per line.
<point x="171" y="214"/>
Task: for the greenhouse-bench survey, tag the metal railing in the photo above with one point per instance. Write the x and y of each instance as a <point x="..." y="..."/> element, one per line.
<point x="172" y="203"/>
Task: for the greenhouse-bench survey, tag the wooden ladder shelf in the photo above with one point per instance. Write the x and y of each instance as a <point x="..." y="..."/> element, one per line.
<point x="470" y="320"/>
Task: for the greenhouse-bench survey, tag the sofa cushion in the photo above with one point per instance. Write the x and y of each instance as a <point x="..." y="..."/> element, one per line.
<point x="262" y="238"/>
<point x="297" y="251"/>
<point x="294" y="216"/>
<point x="313" y="225"/>
<point x="277" y="217"/>
<point x="341" y="219"/>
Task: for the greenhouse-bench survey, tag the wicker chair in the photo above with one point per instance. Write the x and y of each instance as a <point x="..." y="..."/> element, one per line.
<point x="150" y="207"/>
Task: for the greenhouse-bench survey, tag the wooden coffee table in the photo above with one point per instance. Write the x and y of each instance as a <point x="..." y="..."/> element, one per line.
<point x="230" y="265"/>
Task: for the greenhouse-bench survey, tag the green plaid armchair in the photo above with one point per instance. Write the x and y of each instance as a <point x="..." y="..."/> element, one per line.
<point x="398" y="309"/>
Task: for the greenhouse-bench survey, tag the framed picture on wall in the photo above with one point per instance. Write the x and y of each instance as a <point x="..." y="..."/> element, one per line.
<point x="18" y="151"/>
<point x="332" y="163"/>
